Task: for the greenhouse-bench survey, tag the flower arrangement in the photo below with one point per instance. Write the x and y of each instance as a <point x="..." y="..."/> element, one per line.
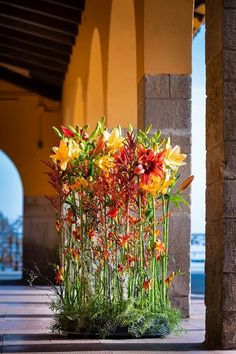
<point x="113" y="200"/>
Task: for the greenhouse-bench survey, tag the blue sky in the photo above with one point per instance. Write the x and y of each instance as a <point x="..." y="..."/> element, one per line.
<point x="198" y="132"/>
<point x="11" y="193"/>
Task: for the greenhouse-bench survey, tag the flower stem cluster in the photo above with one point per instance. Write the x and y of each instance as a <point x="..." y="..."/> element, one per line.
<point x="113" y="211"/>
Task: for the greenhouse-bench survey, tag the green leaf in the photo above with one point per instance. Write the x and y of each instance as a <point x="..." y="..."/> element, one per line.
<point x="157" y="135"/>
<point x="57" y="132"/>
<point x="85" y="127"/>
<point x="149" y="214"/>
<point x="95" y="132"/>
<point x="131" y="128"/>
<point x="147" y="130"/>
<point x="177" y="199"/>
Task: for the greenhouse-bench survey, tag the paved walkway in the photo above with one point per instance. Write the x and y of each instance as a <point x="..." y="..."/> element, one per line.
<point x="25" y="320"/>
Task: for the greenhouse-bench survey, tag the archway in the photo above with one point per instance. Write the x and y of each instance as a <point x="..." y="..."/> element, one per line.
<point x="95" y="96"/>
<point x="11" y="212"/>
<point x="122" y="88"/>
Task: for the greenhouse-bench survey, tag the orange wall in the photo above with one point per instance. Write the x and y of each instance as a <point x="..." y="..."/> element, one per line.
<point x="168" y="36"/>
<point x="19" y="134"/>
<point x="119" y="41"/>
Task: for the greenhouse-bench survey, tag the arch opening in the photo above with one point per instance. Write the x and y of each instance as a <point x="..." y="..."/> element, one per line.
<point x="11" y="216"/>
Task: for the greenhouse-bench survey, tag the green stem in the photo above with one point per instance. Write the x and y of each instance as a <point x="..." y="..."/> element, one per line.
<point x="165" y="208"/>
<point x="140" y="245"/>
<point x="153" y="271"/>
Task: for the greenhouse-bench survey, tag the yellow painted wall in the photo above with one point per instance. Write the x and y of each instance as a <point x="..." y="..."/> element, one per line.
<point x="168" y="36"/>
<point x="122" y="66"/>
<point x="85" y="71"/>
<point x="20" y="131"/>
<point x="119" y="41"/>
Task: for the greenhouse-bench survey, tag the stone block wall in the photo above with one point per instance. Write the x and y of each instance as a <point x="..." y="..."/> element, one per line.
<point x="40" y="238"/>
<point x="221" y="174"/>
<point x="164" y="101"/>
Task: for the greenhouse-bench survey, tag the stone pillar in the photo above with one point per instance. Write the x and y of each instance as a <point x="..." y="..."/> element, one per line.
<point x="221" y="174"/>
<point x="164" y="101"/>
<point x="40" y="238"/>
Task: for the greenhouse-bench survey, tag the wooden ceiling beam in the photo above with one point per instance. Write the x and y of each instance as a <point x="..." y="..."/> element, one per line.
<point x="49" y="9"/>
<point x="74" y="4"/>
<point x="37" y="31"/>
<point x="38" y="41"/>
<point x="26" y="16"/>
<point x="41" y="76"/>
<point x="33" y="48"/>
<point x="49" y="91"/>
<point x="32" y="58"/>
<point x="31" y="66"/>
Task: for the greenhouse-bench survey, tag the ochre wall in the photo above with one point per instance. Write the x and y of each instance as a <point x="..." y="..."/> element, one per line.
<point x="119" y="41"/>
<point x="76" y="95"/>
<point x="20" y="132"/>
<point x="167" y="36"/>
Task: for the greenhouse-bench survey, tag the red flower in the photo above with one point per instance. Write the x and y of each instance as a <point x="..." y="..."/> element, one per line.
<point x="147" y="284"/>
<point x="59" y="275"/>
<point x="113" y="212"/>
<point x="99" y="147"/>
<point x="123" y="240"/>
<point x="69" y="217"/>
<point x="169" y="279"/>
<point x="105" y="254"/>
<point x="58" y="225"/>
<point x="91" y="234"/>
<point x="150" y="163"/>
<point x="76" y="234"/>
<point x="130" y="260"/>
<point x="67" y="132"/>
<point x="120" y="267"/>
<point x="139" y="170"/>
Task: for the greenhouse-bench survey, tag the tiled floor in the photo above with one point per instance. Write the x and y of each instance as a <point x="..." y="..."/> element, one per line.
<point x="25" y="320"/>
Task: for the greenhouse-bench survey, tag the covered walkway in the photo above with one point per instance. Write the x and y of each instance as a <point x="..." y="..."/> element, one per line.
<point x="25" y="320"/>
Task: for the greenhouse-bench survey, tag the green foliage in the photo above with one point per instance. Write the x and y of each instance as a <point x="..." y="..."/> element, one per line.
<point x="126" y="319"/>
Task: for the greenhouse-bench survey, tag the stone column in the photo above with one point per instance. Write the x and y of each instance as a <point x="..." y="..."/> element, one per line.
<point x="40" y="239"/>
<point x="164" y="101"/>
<point x="221" y="174"/>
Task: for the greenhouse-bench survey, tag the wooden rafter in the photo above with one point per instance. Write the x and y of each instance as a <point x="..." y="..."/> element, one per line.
<point x="12" y="33"/>
<point x="47" y="8"/>
<point x="46" y="90"/>
<point x="38" y="36"/>
<point x="35" y="30"/>
<point x="33" y="48"/>
<point x="28" y="17"/>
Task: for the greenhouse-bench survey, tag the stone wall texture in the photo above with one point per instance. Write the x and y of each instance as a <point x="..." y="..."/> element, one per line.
<point x="164" y="101"/>
<point x="221" y="174"/>
<point x="40" y="239"/>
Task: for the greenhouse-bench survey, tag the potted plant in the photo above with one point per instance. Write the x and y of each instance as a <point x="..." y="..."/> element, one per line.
<point x="113" y="199"/>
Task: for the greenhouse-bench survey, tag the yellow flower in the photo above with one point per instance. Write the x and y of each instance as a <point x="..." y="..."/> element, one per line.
<point x="74" y="149"/>
<point x="115" y="141"/>
<point x="80" y="182"/>
<point x="61" y="154"/>
<point x="157" y="185"/>
<point x="67" y="151"/>
<point x="105" y="163"/>
<point x="173" y="157"/>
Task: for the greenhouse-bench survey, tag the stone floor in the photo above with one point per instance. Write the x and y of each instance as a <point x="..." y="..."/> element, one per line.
<point x="25" y="320"/>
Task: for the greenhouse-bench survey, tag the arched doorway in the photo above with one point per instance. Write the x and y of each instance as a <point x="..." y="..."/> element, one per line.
<point x="11" y="212"/>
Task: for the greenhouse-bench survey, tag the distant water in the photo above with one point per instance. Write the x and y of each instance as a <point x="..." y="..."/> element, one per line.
<point x="197" y="263"/>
